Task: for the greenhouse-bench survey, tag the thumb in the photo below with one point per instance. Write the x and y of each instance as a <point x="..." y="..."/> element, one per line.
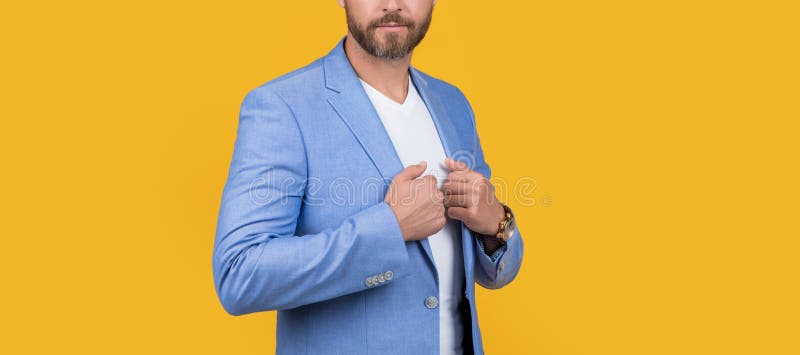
<point x="455" y="165"/>
<point x="412" y="171"/>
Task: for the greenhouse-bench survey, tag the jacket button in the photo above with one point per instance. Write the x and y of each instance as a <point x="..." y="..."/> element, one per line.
<point x="368" y="281"/>
<point x="431" y="302"/>
<point x="381" y="278"/>
<point x="388" y="275"/>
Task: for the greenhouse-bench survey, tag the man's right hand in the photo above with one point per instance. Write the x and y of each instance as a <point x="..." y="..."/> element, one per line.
<point x="417" y="203"/>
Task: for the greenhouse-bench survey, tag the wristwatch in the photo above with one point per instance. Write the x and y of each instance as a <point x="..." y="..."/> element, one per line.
<point x="506" y="228"/>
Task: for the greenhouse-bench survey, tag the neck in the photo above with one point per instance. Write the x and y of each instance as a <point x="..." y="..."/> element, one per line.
<point x="390" y="77"/>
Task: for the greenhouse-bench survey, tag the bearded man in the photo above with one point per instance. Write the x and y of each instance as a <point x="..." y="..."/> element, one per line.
<point x="358" y="203"/>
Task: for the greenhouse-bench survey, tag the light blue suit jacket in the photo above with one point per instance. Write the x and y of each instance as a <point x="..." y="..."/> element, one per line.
<point x="303" y="228"/>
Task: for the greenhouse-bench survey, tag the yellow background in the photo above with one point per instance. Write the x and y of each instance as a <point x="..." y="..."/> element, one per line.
<point x="662" y="136"/>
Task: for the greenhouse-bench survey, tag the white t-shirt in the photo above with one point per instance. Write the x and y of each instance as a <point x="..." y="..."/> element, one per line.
<point x="415" y="138"/>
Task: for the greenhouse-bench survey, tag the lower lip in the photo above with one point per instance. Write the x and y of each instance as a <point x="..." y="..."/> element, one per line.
<point x="392" y="28"/>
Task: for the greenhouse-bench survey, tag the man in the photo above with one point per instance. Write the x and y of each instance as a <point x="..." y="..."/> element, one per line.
<point x="348" y="207"/>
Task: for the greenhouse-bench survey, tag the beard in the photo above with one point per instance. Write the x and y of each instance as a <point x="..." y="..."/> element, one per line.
<point x="395" y="45"/>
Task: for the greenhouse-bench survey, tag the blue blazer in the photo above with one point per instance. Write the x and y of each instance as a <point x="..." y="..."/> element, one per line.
<point x="303" y="228"/>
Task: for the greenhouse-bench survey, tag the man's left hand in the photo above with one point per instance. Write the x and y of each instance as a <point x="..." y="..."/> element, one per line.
<point x="469" y="197"/>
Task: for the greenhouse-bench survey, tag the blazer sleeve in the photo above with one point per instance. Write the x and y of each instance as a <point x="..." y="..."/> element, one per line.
<point x="258" y="263"/>
<point x="503" y="265"/>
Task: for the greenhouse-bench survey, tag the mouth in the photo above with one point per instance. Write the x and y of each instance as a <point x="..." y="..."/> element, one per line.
<point x="392" y="26"/>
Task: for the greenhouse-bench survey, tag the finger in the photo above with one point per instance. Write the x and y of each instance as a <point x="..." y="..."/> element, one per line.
<point x="430" y="180"/>
<point x="459" y="213"/>
<point x="455" y="187"/>
<point x="462" y="176"/>
<point x="412" y="171"/>
<point x="456" y="201"/>
<point x="455" y="165"/>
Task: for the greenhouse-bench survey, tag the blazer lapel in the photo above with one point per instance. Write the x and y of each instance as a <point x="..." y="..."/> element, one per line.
<point x="355" y="109"/>
<point x="444" y="125"/>
<point x="352" y="104"/>
<point x="451" y="143"/>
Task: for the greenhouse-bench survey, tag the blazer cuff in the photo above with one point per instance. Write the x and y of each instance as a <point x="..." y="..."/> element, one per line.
<point x="383" y="235"/>
<point x="497" y="254"/>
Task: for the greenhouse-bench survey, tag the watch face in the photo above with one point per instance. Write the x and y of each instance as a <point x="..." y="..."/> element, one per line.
<point x="509" y="229"/>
